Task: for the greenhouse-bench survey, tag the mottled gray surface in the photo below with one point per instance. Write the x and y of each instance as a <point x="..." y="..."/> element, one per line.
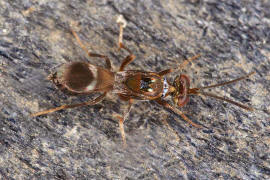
<point x="84" y="143"/>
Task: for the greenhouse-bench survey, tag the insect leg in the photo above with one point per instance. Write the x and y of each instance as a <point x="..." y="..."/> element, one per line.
<point x="177" y="111"/>
<point x="185" y="62"/>
<point x="108" y="62"/>
<point x="66" y="106"/>
<point x="181" y="66"/>
<point x="122" y="24"/>
<point x="167" y="71"/>
<point x="126" y="61"/>
<point x="122" y="120"/>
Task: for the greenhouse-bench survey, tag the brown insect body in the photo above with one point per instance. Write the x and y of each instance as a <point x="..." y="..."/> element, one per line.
<point x="85" y="78"/>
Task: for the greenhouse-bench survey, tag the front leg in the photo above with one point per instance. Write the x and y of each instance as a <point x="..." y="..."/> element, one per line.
<point x="177" y="111"/>
<point x="164" y="72"/>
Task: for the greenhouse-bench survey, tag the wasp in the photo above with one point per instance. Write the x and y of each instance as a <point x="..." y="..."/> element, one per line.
<point x="85" y="78"/>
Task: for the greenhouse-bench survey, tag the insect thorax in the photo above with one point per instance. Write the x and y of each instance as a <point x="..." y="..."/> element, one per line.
<point x="138" y="85"/>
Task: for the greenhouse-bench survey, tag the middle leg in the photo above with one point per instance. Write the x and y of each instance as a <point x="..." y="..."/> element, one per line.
<point x="123" y="118"/>
<point x="122" y="24"/>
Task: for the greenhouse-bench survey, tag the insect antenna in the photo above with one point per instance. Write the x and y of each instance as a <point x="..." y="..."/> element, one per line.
<point x="228" y="82"/>
<point x="197" y="91"/>
<point x="227" y="100"/>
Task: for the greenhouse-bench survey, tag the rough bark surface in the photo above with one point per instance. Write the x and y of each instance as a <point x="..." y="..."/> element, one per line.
<point x="233" y="38"/>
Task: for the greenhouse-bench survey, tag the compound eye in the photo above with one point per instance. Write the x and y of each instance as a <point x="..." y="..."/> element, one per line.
<point x="180" y="97"/>
<point x="182" y="100"/>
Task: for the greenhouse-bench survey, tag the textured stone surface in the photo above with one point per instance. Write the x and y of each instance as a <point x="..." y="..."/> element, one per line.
<point x="84" y="143"/>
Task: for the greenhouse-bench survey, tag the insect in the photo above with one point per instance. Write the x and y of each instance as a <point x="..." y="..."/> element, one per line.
<point x="85" y="78"/>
